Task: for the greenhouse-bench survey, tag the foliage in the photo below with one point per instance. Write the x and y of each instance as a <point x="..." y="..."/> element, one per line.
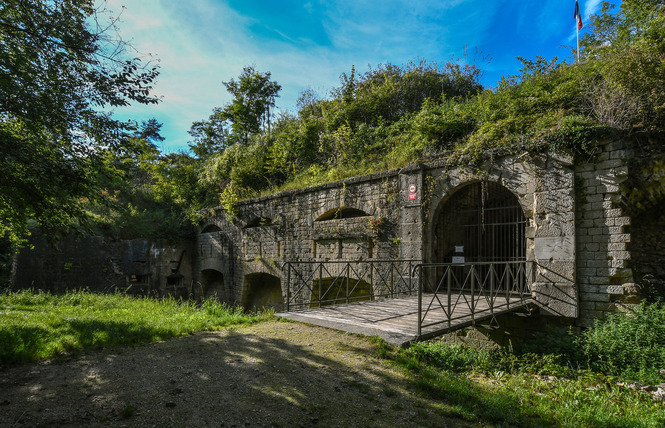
<point x="253" y="96"/>
<point x="148" y="194"/>
<point x="524" y="388"/>
<point x="630" y="345"/>
<point x="6" y="259"/>
<point x="59" y="64"/>
<point x="557" y="378"/>
<point x="508" y="389"/>
<point x="626" y="51"/>
<point x="366" y="118"/>
<point x="37" y="325"/>
<point x="389" y="116"/>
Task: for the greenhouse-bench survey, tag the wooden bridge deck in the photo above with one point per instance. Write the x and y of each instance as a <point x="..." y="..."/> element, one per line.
<point x="396" y="320"/>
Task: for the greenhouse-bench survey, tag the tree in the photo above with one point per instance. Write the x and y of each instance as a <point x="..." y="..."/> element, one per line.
<point x="210" y="136"/>
<point x="626" y="53"/>
<point x="253" y="96"/>
<point x="61" y="63"/>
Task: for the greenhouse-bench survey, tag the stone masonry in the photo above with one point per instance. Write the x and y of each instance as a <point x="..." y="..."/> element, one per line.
<point x="580" y="221"/>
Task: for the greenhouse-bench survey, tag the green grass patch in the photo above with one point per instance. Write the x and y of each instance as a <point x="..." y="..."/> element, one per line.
<point x="37" y="325"/>
<point x="556" y="379"/>
<point x="507" y="389"/>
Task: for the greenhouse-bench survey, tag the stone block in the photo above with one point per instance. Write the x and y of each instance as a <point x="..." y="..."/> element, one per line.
<point x="585" y="272"/>
<point x="555" y="227"/>
<point x="599" y="280"/>
<point x="616" y="246"/>
<point x="604" y="306"/>
<point x="556" y="299"/>
<point x="594" y="297"/>
<point x="553" y="201"/>
<point x="611" y="163"/>
<point x="612" y="289"/>
<point x="555" y="248"/>
<point x="607" y="187"/>
<point x="619" y="255"/>
<point x="622" y="221"/>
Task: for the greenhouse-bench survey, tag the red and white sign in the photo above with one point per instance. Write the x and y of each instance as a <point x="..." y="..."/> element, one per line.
<point x="412" y="192"/>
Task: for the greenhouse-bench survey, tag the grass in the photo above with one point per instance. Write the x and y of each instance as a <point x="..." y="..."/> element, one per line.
<point x="507" y="389"/>
<point x="37" y="325"/>
<point x="502" y="388"/>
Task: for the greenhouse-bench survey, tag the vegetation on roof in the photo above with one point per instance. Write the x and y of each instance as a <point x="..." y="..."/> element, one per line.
<point x="386" y="117"/>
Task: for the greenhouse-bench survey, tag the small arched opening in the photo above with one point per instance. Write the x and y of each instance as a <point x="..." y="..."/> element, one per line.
<point x="263" y="290"/>
<point x="210" y="228"/>
<point x="338" y="290"/>
<point x="259" y="222"/>
<point x="212" y="284"/>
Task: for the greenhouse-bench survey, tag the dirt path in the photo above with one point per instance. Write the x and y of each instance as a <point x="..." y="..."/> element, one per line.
<point x="277" y="374"/>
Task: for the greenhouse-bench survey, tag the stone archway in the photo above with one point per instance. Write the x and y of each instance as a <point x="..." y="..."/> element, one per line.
<point x="263" y="290"/>
<point x="480" y="222"/>
<point x="212" y="284"/>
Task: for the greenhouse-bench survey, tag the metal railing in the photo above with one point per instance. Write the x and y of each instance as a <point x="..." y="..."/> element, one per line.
<point x="464" y="291"/>
<point x="321" y="283"/>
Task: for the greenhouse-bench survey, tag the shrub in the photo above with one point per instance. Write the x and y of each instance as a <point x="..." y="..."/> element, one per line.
<point x="629" y="345"/>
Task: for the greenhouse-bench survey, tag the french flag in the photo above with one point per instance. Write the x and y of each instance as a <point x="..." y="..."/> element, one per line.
<point x="578" y="17"/>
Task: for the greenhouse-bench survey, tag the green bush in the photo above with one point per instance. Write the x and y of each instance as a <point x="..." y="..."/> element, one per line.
<point x="630" y="345"/>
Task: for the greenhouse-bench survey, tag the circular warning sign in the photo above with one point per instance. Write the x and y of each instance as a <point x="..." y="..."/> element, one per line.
<point x="412" y="188"/>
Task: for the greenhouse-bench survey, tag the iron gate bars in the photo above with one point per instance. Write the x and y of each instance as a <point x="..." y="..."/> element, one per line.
<point x="463" y="291"/>
<point x="320" y="283"/>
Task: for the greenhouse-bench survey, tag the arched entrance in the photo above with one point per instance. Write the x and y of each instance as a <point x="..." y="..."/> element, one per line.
<point x="481" y="222"/>
<point x="212" y="284"/>
<point x="263" y="290"/>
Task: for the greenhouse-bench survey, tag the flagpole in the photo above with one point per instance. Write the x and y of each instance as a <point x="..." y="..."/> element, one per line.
<point x="578" y="25"/>
<point x="578" y="42"/>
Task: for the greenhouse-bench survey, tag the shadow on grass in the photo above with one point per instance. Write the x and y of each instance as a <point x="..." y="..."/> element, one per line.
<point x="69" y="337"/>
<point x="21" y="344"/>
<point x="240" y="378"/>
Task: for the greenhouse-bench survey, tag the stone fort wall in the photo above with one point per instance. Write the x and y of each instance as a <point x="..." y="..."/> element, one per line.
<point x="577" y="228"/>
<point x="593" y="229"/>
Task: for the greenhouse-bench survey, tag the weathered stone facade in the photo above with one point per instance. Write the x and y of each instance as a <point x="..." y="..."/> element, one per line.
<point x="576" y="231"/>
<point x="585" y="226"/>
<point x="102" y="265"/>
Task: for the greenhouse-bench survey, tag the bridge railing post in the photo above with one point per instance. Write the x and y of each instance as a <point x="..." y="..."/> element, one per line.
<point x="320" y="283"/>
<point x="449" y="292"/>
<point x="288" y="287"/>
<point x="347" y="281"/>
<point x="420" y="298"/>
<point x="492" y="285"/>
<point x="473" y="295"/>
<point x="509" y="281"/>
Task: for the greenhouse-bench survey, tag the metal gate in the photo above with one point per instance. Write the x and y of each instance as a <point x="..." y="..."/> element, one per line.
<point x="482" y="222"/>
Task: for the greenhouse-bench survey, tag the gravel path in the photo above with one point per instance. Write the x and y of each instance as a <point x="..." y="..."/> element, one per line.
<point x="273" y="374"/>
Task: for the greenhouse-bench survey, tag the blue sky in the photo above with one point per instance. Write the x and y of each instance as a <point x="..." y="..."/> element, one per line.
<point x="308" y="44"/>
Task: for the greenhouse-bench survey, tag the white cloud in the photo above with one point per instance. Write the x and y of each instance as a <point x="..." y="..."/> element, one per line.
<point x="204" y="42"/>
<point x="591" y="7"/>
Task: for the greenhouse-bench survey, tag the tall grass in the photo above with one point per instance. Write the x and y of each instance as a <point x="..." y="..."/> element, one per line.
<point x="630" y="345"/>
<point x="558" y="379"/>
<point x="508" y="389"/>
<point x="37" y="325"/>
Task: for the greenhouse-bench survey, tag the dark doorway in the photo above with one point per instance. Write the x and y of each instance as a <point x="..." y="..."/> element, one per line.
<point x="263" y="290"/>
<point x="212" y="284"/>
<point x="481" y="222"/>
<point x="337" y="290"/>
